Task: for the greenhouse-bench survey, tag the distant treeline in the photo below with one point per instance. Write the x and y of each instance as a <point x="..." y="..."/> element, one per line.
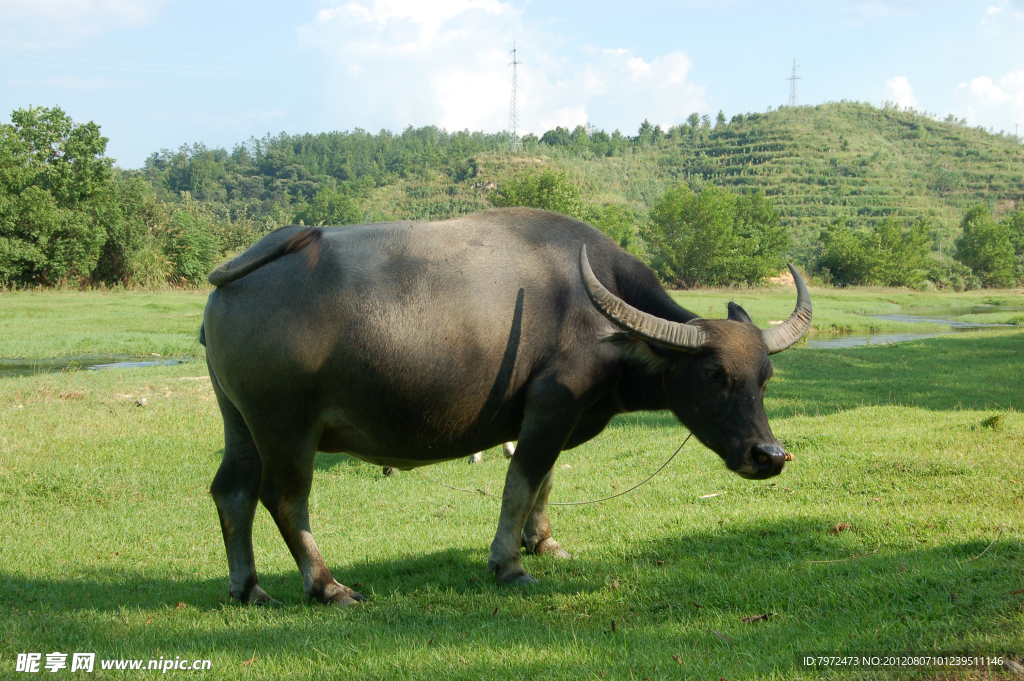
<point x="705" y="203"/>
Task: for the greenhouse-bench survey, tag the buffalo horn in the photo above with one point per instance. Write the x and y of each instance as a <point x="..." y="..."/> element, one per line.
<point x="781" y="337"/>
<point x="636" y="322"/>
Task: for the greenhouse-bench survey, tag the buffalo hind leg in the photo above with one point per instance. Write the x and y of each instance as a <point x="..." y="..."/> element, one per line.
<point x="287" y="479"/>
<point x="537" y="537"/>
<point x="235" y="490"/>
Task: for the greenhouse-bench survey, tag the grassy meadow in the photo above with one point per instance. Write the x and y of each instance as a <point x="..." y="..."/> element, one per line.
<point x="111" y="542"/>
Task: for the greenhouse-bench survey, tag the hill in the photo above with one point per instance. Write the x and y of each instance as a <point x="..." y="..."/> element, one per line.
<point x="815" y="162"/>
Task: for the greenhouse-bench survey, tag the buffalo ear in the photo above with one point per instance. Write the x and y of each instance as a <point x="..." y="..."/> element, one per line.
<point x="738" y="314"/>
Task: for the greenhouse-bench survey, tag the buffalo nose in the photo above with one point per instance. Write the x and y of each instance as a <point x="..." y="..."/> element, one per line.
<point x="769" y="458"/>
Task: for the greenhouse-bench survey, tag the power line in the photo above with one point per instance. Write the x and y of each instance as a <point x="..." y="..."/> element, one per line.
<point x="794" y="90"/>
<point x="514" y="143"/>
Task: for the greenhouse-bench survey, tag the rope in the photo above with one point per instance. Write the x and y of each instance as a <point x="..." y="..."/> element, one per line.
<point x="484" y="492"/>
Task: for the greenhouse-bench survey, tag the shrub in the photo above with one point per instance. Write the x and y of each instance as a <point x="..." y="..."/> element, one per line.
<point x="130" y="213"/>
<point x="42" y="243"/>
<point x="986" y="248"/>
<point x="616" y="221"/>
<point x="952" y="275"/>
<point x="330" y="207"/>
<point x="715" y="237"/>
<point x="1015" y="224"/>
<point x="190" y="247"/>
<point x="889" y="254"/>
<point x="548" y="189"/>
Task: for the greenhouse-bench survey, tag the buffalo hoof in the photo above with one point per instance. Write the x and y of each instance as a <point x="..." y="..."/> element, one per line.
<point x="387" y="470"/>
<point x="509" y="448"/>
<point x="338" y="594"/>
<point x="259" y="597"/>
<point x="523" y="577"/>
<point x="476" y="458"/>
<point x="551" y="548"/>
<point x="511" y="574"/>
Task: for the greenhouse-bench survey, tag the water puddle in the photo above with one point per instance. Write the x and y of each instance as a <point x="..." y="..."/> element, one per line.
<point x="31" y="367"/>
<point x="839" y="340"/>
<point x="948" y="317"/>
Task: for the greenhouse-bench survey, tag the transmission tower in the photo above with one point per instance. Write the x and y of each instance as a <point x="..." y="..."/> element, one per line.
<point x="794" y="90"/>
<point x="514" y="144"/>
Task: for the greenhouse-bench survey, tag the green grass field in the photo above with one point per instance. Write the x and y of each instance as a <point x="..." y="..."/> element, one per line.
<point x="111" y="543"/>
<point x="40" y="325"/>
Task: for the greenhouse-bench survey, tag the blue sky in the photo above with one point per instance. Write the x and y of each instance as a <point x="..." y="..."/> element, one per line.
<point x="160" y="73"/>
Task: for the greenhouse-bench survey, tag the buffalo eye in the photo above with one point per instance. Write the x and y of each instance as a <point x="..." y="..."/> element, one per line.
<point x="716" y="375"/>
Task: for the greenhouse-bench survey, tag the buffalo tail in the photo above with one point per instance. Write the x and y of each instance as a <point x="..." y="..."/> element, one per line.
<point x="309" y="240"/>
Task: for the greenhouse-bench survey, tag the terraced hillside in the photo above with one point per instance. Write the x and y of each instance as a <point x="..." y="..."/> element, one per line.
<point x="856" y="160"/>
<point x="816" y="162"/>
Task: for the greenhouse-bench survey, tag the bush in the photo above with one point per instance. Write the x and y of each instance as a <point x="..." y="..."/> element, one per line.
<point x="986" y="248"/>
<point x="149" y="266"/>
<point x="331" y="208"/>
<point x="952" y="275"/>
<point x="548" y="189"/>
<point x="190" y="247"/>
<point x="42" y="243"/>
<point x="715" y="237"/>
<point x="130" y="213"/>
<point x="842" y="259"/>
<point x="890" y="254"/>
<point x="1015" y="224"/>
<point x="616" y="221"/>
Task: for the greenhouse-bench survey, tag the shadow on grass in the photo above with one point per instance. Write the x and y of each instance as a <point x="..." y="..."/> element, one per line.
<point x="956" y="372"/>
<point x="902" y="598"/>
<point x="740" y="561"/>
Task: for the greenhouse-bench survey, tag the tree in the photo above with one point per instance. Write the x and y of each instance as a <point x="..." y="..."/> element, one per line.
<point x="889" y="254"/>
<point x="53" y="152"/>
<point x="715" y="237"/>
<point x="1015" y="226"/>
<point x="842" y="257"/>
<point x="616" y="221"/>
<point x="54" y="186"/>
<point x="720" y="119"/>
<point x="548" y="189"/>
<point x="986" y="248"/>
<point x="646" y="133"/>
<point x="331" y="208"/>
<point x="559" y="137"/>
<point x="764" y="242"/>
<point x="130" y="213"/>
<point x="898" y="253"/>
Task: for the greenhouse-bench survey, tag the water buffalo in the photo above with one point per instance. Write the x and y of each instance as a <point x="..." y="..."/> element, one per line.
<point x="410" y="343"/>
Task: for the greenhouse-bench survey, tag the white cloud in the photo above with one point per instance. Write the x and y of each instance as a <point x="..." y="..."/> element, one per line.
<point x="900" y="91"/>
<point x="1002" y="102"/>
<point x="1000" y="16"/>
<point x="60" y="20"/>
<point x="446" y="63"/>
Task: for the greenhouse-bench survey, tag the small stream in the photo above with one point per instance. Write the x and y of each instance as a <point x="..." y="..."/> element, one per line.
<point x="30" y="367"/>
<point x="945" y="319"/>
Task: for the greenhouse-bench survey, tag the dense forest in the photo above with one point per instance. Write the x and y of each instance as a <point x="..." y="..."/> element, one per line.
<point x="854" y="193"/>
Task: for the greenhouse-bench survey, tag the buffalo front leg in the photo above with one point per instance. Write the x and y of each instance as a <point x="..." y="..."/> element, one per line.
<point x="287" y="479"/>
<point x="235" y="490"/>
<point x="546" y="427"/>
<point x="537" y="537"/>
